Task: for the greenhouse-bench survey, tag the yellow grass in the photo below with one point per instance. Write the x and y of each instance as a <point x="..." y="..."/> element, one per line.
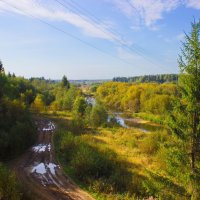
<point x="124" y="142"/>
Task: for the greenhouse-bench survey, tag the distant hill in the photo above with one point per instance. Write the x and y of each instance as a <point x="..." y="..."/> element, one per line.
<point x="159" y="78"/>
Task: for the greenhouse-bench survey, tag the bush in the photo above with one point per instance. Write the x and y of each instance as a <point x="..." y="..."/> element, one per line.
<point x="101" y="170"/>
<point x="9" y="189"/>
<point x="151" y="143"/>
<point x="17" y="131"/>
<point x="88" y="163"/>
<point x="68" y="146"/>
<point x="85" y="161"/>
<point x="98" y="115"/>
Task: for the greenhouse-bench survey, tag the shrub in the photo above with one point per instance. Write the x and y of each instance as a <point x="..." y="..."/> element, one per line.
<point x="151" y="143"/>
<point x="9" y="189"/>
<point x="101" y="170"/>
<point x="17" y="131"/>
<point x="98" y="115"/>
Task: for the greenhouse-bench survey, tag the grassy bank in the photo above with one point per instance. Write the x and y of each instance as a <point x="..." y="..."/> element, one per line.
<point x="150" y="117"/>
<point x="115" y="163"/>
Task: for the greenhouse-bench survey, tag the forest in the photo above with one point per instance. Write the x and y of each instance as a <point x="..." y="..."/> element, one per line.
<point x="106" y="159"/>
<point x="159" y="78"/>
<point x="152" y="98"/>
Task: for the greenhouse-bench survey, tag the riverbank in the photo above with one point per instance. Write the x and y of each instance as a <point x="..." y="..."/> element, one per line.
<point x="130" y="121"/>
<point x="110" y="163"/>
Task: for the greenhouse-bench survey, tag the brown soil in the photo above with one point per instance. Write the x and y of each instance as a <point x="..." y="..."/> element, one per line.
<point x="44" y="181"/>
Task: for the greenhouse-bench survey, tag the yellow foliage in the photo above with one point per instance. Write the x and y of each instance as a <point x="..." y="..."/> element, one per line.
<point x="147" y="97"/>
<point x="38" y="104"/>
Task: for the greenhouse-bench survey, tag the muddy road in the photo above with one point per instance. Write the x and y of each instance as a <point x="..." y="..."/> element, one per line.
<point x="38" y="171"/>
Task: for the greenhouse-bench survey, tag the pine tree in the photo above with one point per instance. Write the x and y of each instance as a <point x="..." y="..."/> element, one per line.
<point x="65" y="83"/>
<point x="1" y="67"/>
<point x="186" y="115"/>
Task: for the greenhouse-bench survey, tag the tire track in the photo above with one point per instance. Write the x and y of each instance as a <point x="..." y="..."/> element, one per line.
<point x="39" y="172"/>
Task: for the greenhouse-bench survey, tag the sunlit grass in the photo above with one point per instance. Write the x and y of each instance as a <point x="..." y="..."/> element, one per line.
<point x="132" y="152"/>
<point x="124" y="142"/>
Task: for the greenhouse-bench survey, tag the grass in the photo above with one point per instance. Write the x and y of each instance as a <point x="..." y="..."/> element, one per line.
<point x="90" y="150"/>
<point x="150" y="117"/>
<point x="112" y="163"/>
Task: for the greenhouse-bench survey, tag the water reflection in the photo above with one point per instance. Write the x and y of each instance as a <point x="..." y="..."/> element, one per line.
<point x="91" y="100"/>
<point x="130" y="122"/>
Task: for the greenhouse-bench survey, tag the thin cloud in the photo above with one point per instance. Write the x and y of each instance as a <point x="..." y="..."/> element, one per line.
<point x="146" y="12"/>
<point x="193" y="4"/>
<point x="35" y="8"/>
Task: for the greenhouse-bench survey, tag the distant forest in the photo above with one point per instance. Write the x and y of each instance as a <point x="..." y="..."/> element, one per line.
<point x="159" y="78"/>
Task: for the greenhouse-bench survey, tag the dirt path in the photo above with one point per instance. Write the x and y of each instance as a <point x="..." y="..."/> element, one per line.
<point x="39" y="172"/>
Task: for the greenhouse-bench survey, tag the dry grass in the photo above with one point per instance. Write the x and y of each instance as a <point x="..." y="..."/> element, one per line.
<point x="125" y="143"/>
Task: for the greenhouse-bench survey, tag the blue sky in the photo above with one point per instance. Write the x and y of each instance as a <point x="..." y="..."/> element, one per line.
<point x="93" y="39"/>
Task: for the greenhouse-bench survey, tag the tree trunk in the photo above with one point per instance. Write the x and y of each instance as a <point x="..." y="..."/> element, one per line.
<point x="193" y="160"/>
<point x="194" y="141"/>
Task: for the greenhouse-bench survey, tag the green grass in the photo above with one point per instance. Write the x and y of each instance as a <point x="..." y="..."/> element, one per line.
<point x="150" y="117"/>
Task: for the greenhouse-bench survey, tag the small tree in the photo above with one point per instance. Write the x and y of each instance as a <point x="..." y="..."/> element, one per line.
<point x="98" y="115"/>
<point x="38" y="104"/>
<point x="79" y="106"/>
<point x="1" y="67"/>
<point x="65" y="83"/>
<point x="8" y="185"/>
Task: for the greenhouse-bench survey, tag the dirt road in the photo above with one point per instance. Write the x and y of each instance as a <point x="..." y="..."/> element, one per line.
<point x="39" y="172"/>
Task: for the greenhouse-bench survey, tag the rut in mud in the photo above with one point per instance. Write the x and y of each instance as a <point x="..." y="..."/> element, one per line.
<point x="38" y="170"/>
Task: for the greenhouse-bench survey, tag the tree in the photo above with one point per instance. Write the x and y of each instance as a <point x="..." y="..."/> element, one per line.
<point x="186" y="115"/>
<point x="1" y="67"/>
<point x="98" y="115"/>
<point x="79" y="106"/>
<point x="38" y="103"/>
<point x="8" y="185"/>
<point x="9" y="75"/>
<point x="65" y="83"/>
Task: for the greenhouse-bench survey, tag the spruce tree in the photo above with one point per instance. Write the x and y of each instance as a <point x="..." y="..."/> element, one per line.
<point x="1" y="67"/>
<point x="185" y="121"/>
<point x="65" y="83"/>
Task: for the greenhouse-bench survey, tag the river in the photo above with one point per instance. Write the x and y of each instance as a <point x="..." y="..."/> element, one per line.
<point x="129" y="122"/>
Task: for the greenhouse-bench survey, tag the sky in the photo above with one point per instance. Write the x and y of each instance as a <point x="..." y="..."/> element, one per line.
<point x="93" y="39"/>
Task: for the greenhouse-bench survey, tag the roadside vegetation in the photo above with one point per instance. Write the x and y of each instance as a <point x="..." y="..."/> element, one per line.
<point x="17" y="129"/>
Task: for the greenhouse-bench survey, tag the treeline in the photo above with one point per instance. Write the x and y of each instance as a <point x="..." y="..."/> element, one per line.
<point x="17" y="130"/>
<point x="159" y="78"/>
<point x="146" y="97"/>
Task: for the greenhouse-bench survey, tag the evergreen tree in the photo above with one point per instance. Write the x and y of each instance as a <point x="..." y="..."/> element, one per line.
<point x="65" y="83"/>
<point x="9" y="74"/>
<point x="1" y="67"/>
<point x="186" y="114"/>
